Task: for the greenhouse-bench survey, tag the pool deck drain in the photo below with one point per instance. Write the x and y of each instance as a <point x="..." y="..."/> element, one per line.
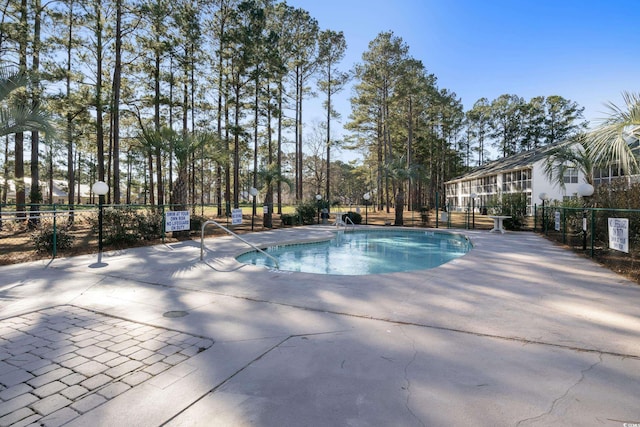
<point x="175" y="314"/>
<point x="59" y="363"/>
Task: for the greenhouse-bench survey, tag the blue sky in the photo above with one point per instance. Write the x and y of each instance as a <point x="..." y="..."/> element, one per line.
<point x="583" y="50"/>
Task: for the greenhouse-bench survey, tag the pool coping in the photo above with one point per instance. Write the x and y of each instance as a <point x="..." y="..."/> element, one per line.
<point x="359" y="228"/>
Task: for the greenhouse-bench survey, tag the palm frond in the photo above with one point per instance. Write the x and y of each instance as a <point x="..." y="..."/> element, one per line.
<point x="610" y="142"/>
<point x="569" y="156"/>
<point x="11" y="80"/>
<point x="272" y="174"/>
<point x="18" y="114"/>
<point x="21" y="118"/>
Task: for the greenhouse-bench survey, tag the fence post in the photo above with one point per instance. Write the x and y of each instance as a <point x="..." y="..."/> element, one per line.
<point x="468" y="215"/>
<point x="437" y="210"/>
<point x="55" y="233"/>
<point x="162" y="224"/>
<point x="564" y="225"/>
<point x="593" y="221"/>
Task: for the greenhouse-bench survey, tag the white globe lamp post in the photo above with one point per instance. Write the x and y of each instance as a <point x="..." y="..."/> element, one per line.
<point x="367" y="197"/>
<point x="585" y="190"/>
<point x="100" y="188"/>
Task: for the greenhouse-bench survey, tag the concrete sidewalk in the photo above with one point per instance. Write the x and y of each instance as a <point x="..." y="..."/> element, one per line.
<point x="518" y="332"/>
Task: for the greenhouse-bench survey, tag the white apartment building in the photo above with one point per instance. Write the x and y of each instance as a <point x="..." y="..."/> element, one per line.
<point x="521" y="173"/>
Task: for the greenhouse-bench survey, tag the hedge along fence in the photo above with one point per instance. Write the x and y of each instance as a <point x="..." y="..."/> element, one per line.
<point x="49" y="228"/>
<point x="611" y="236"/>
<point x="53" y="228"/>
<point x="57" y="228"/>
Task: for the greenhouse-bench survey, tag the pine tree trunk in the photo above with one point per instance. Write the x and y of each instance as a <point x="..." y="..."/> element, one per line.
<point x="399" y="207"/>
<point x="268" y="201"/>
<point x="180" y="192"/>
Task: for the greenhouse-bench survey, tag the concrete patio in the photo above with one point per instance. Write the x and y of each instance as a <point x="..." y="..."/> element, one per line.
<point x="518" y="332"/>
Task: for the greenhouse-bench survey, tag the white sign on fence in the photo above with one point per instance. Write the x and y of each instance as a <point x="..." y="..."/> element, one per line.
<point x="236" y="217"/>
<point x="176" y="221"/>
<point x="619" y="234"/>
<point x="557" y="220"/>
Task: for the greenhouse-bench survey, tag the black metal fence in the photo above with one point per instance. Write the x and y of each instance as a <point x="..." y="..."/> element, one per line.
<point x="610" y="236"/>
<point x="36" y="231"/>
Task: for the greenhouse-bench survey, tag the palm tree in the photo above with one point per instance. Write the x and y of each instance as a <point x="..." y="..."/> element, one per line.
<point x="610" y="142"/>
<point x="183" y="147"/>
<point x="401" y="172"/>
<point x="19" y="114"/>
<point x="575" y="154"/>
<point x="271" y="175"/>
<point x="154" y="141"/>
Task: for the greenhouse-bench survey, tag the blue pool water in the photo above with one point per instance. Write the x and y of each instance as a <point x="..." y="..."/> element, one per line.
<point x="365" y="252"/>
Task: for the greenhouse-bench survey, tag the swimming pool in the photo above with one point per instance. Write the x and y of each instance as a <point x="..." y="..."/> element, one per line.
<point x="365" y="252"/>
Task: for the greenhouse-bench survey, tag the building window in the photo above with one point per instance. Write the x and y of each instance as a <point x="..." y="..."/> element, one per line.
<point x="571" y="176"/>
<point x="516" y="181"/>
<point x="489" y="184"/>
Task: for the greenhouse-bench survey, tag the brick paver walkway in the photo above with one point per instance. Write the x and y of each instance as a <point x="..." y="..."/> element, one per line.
<point x="60" y="362"/>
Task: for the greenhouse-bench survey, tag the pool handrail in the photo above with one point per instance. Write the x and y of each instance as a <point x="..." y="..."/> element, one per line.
<point x="234" y="235"/>
<point x="344" y="222"/>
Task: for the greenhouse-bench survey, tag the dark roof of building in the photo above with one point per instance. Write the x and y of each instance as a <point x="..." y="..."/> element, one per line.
<point x="518" y="161"/>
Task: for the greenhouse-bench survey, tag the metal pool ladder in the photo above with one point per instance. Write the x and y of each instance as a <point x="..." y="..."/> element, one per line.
<point x="234" y="235"/>
<point x="345" y="223"/>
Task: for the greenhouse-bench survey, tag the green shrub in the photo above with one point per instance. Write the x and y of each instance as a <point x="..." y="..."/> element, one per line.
<point x="196" y="221"/>
<point x="515" y="206"/>
<point x="43" y="239"/>
<point x="125" y="225"/>
<point x="616" y="195"/>
<point x="307" y="212"/>
<point x="355" y="217"/>
<point x="288" y="219"/>
<point x="119" y="226"/>
<point x="149" y="225"/>
<point x="571" y="217"/>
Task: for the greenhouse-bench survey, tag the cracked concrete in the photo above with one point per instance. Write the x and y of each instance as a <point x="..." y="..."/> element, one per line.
<point x="516" y="332"/>
<point x="408" y="379"/>
<point x="549" y="418"/>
